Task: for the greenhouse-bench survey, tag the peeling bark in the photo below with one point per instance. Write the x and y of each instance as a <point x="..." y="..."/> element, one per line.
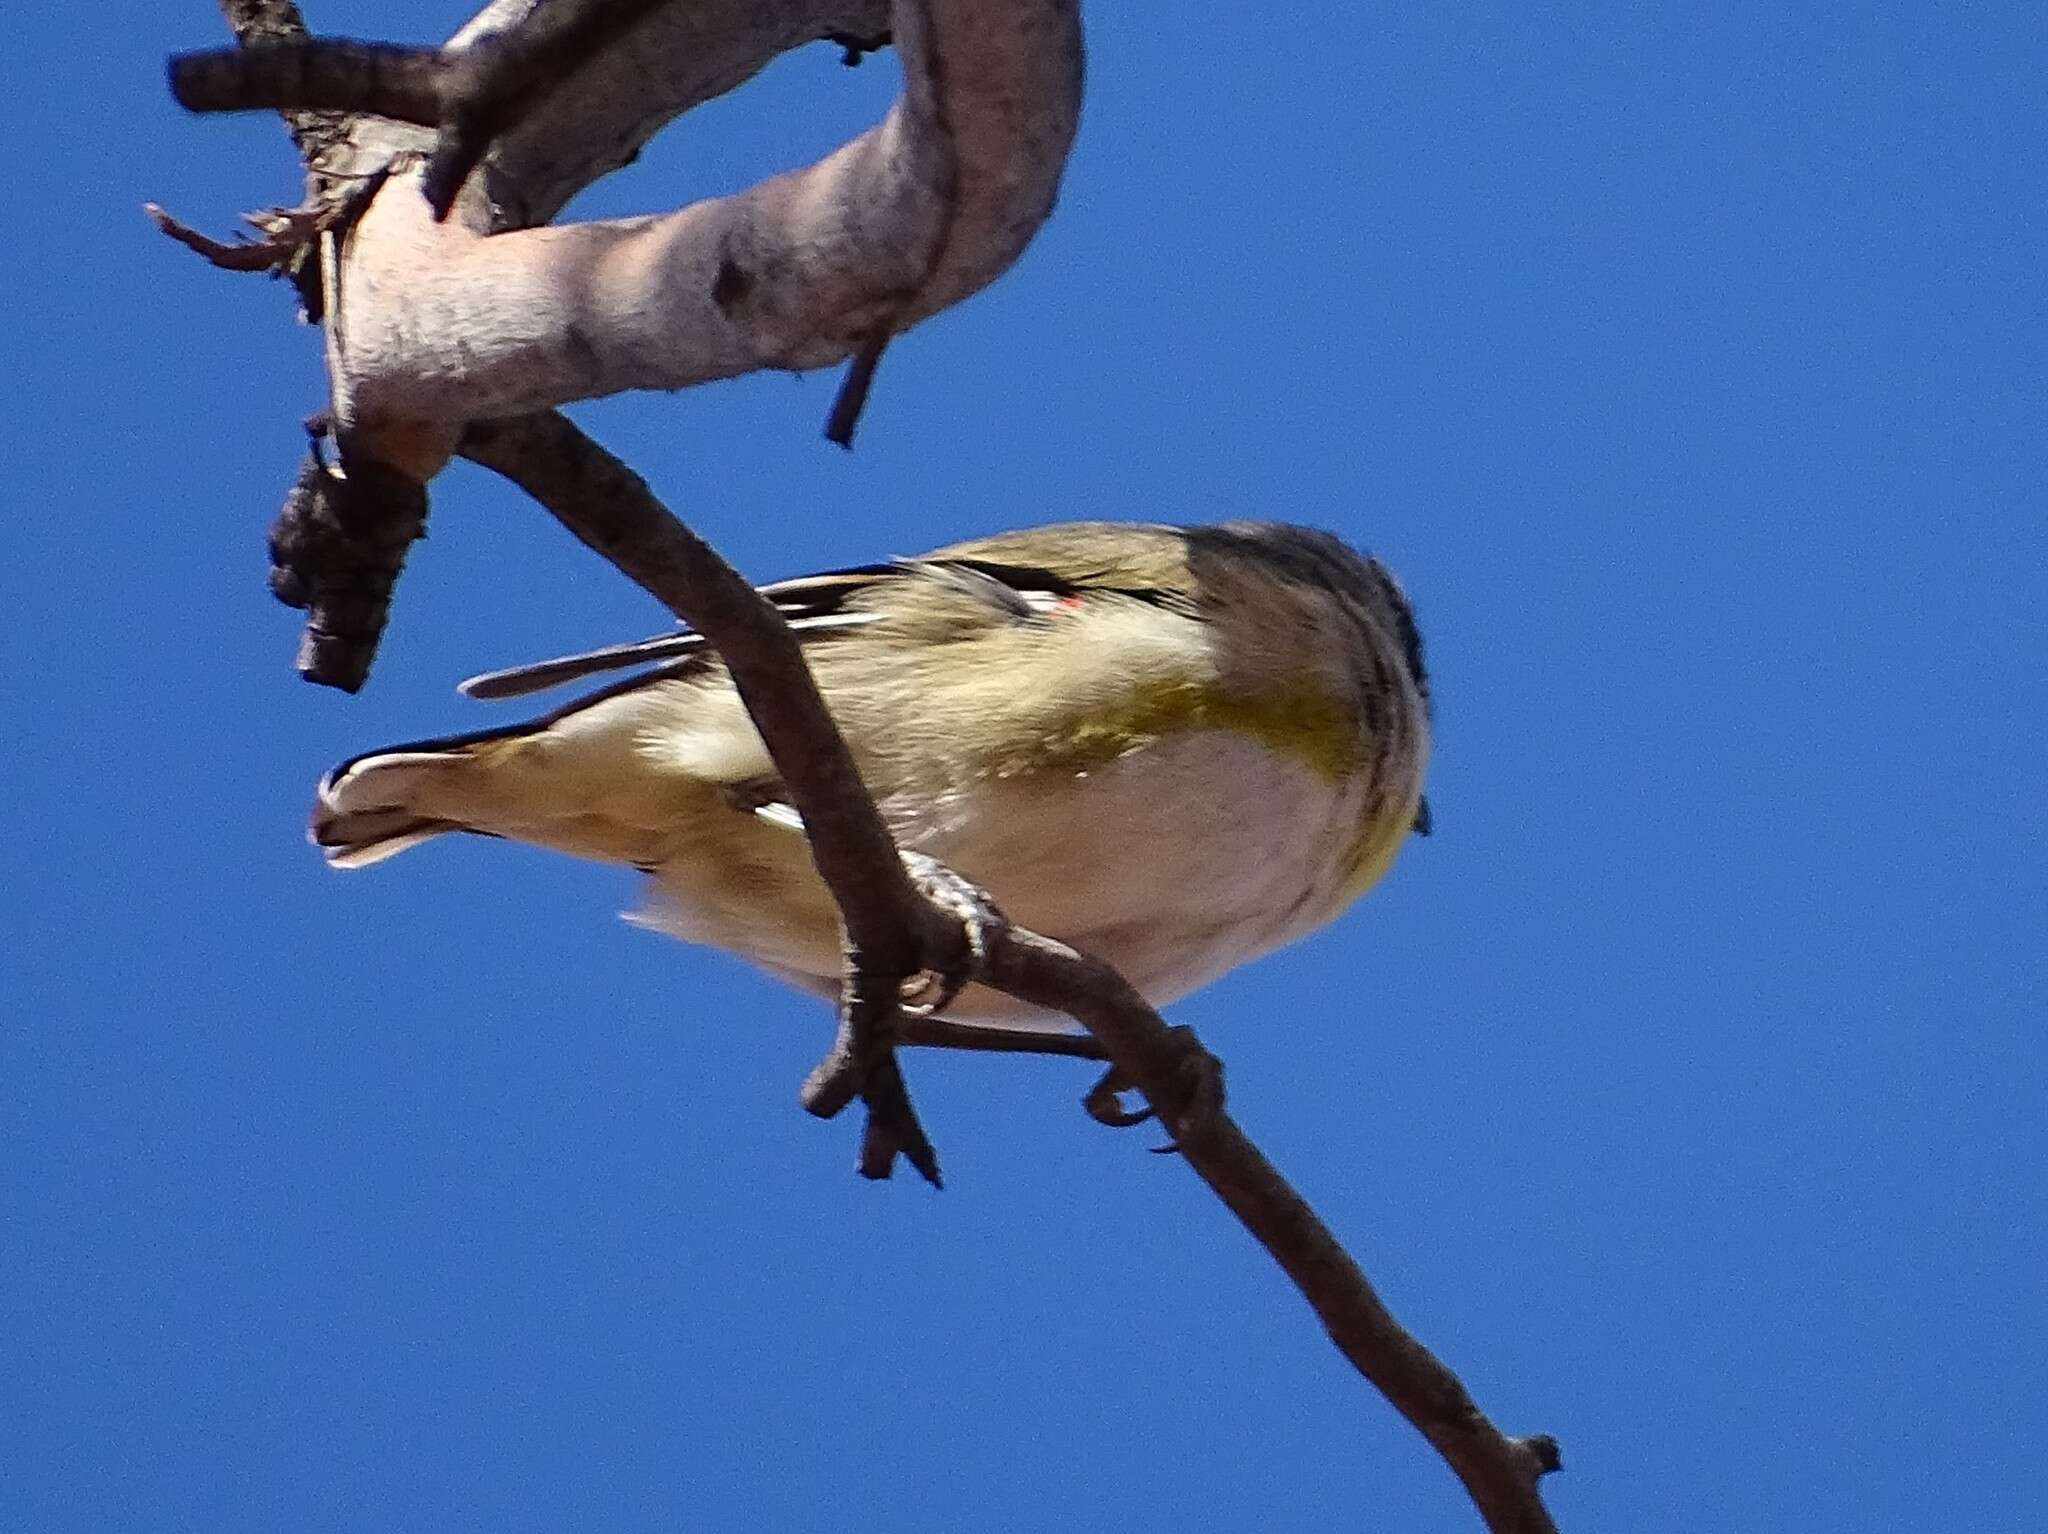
<point x="477" y="317"/>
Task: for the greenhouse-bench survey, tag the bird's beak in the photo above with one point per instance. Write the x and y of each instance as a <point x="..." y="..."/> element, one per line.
<point x="1424" y="821"/>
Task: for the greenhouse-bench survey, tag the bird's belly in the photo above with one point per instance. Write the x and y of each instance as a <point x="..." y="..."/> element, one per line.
<point x="1174" y="863"/>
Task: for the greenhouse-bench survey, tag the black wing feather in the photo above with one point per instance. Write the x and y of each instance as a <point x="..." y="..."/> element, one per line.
<point x="811" y="603"/>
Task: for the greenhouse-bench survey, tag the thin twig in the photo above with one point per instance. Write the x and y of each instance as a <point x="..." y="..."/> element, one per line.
<point x="944" y="1033"/>
<point x="474" y="94"/>
<point x="609" y="507"/>
<point x="1170" y="1067"/>
<point x="889" y="929"/>
<point x="286" y="233"/>
<point x="852" y="397"/>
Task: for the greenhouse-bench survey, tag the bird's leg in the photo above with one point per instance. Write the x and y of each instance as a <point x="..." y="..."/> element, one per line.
<point x="862" y="1063"/>
<point x="1192" y="1096"/>
<point x="872" y="1014"/>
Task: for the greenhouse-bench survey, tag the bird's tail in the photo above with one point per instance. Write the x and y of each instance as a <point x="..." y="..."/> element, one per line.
<point x="377" y="805"/>
<point x="584" y="780"/>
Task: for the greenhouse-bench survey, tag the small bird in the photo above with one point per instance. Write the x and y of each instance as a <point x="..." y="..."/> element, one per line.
<point x="1174" y="748"/>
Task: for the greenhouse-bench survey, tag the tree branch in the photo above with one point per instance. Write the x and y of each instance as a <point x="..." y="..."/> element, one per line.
<point x="474" y="94"/>
<point x="889" y="930"/>
<point x="1173" y="1071"/>
<point x="611" y="510"/>
<point x="800" y="271"/>
<point x="447" y="327"/>
<point x="336" y="550"/>
<point x="944" y="1033"/>
<point x="329" y="74"/>
<point x="682" y="53"/>
<point x="258" y="23"/>
<point x="433" y="324"/>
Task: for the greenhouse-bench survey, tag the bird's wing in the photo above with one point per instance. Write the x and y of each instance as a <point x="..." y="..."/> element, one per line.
<point x="1019" y="575"/>
<point x="812" y="604"/>
<point x="1046" y="565"/>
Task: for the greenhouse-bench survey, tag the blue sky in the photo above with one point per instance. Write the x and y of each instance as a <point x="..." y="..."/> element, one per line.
<point x="1685" y="1091"/>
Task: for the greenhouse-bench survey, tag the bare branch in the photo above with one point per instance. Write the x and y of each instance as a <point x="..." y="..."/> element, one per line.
<point x="473" y="93"/>
<point x="889" y="930"/>
<point x="853" y="391"/>
<point x="943" y="1033"/>
<point x="444" y="326"/>
<point x="686" y="52"/>
<point x="432" y="324"/>
<point x="505" y="77"/>
<point x="256" y="22"/>
<point x="1175" y="1073"/>
<point x="682" y="53"/>
<point x="329" y="74"/>
<point x="286" y="233"/>
<point x="801" y="271"/>
<point x="610" y="509"/>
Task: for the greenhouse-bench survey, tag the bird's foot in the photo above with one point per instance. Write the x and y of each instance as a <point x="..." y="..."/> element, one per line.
<point x="1187" y="1101"/>
<point x="958" y="944"/>
<point x="863" y="1059"/>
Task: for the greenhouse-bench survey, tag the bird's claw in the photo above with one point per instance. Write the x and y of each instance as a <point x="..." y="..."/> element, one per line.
<point x="960" y="948"/>
<point x="1104" y="1101"/>
<point x="1192" y="1098"/>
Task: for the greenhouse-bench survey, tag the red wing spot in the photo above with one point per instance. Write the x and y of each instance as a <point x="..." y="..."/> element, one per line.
<point x="1067" y="604"/>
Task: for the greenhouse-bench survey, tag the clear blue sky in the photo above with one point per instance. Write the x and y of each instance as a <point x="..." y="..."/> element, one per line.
<point x="1686" y="1091"/>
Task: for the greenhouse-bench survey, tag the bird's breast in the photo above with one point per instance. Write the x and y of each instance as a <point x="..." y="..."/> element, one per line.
<point x="1174" y="861"/>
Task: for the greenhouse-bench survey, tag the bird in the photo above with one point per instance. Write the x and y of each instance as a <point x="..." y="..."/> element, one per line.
<point x="1175" y="748"/>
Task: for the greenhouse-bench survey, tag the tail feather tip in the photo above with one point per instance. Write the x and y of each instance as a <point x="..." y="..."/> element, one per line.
<point x="355" y="823"/>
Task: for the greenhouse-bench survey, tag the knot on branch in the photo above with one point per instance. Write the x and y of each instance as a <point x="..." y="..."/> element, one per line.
<point x="336" y="550"/>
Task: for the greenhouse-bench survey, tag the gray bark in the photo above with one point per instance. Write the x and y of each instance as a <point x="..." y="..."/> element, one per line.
<point x="483" y="316"/>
